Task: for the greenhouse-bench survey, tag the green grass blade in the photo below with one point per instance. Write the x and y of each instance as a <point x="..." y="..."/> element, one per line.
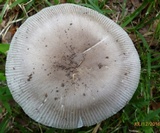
<point x="155" y="67"/>
<point x="56" y="2"/>
<point x="145" y="22"/>
<point x="15" y="3"/>
<point x="146" y="46"/>
<point x="3" y="125"/>
<point x="129" y="18"/>
<point x="152" y="115"/>
<point x="4" y="48"/>
<point x="3" y="11"/>
<point x="48" y="3"/>
<point x="95" y="6"/>
<point x="2" y="77"/>
<point x="7" y="107"/>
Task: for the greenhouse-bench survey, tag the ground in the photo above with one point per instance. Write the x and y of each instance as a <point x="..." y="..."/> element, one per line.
<point x="140" y="19"/>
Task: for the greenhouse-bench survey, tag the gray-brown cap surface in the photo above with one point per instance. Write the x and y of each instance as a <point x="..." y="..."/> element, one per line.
<point x="69" y="66"/>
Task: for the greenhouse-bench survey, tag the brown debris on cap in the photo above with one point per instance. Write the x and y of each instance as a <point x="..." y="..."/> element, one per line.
<point x="69" y="66"/>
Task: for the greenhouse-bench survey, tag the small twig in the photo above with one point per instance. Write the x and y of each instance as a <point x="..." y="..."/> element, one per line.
<point x="94" y="45"/>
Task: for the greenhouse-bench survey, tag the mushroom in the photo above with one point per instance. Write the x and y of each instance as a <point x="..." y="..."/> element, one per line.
<point x="69" y="66"/>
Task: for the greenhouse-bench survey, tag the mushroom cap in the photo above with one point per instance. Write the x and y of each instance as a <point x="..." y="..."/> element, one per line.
<point x="69" y="66"/>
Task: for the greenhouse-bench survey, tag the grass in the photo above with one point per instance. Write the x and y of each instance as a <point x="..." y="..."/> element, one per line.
<point x="141" y="21"/>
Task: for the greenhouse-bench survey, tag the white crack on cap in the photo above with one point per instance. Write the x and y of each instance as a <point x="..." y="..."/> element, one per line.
<point x="69" y="66"/>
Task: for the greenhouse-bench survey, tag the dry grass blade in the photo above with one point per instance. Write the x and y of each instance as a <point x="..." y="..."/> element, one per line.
<point x="95" y="130"/>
